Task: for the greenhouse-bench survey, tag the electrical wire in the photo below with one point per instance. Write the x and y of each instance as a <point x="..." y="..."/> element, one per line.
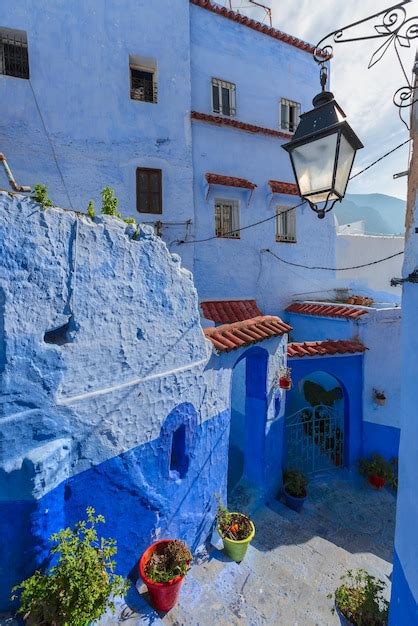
<point x="333" y="269"/>
<point x="272" y="217"/>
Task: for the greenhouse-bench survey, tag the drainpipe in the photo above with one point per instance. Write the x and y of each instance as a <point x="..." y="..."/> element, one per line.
<point x="10" y="176"/>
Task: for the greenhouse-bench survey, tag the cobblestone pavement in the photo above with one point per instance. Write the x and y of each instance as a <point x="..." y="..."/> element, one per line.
<point x="294" y="562"/>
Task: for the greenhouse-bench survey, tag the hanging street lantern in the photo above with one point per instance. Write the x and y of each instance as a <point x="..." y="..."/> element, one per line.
<point x="322" y="153"/>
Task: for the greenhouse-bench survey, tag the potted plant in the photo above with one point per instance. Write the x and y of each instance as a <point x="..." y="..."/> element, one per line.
<point x="359" y="600"/>
<point x="379" y="397"/>
<point x="79" y="588"/>
<point x="162" y="568"/>
<point x="377" y="470"/>
<point x="285" y="378"/>
<point x="294" y="486"/>
<point x="237" y="532"/>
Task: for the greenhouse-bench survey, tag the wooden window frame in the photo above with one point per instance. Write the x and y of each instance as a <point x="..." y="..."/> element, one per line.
<point x="235" y="217"/>
<point x="150" y="170"/>
<point x="289" y="236"/>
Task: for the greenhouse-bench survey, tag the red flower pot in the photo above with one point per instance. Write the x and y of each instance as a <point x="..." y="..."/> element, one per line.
<point x="285" y="383"/>
<point x="378" y="482"/>
<point x="163" y="595"/>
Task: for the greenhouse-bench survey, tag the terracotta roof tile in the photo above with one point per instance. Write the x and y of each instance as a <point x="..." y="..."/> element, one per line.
<point x="290" y="189"/>
<point x="326" y="310"/>
<point x="233" y="336"/>
<point x="230" y="181"/>
<point x="227" y="121"/>
<point x="228" y="311"/>
<point x="324" y="348"/>
<point x="250" y="23"/>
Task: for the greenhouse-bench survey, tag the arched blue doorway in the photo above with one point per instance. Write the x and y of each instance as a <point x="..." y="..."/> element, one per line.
<point x="248" y="421"/>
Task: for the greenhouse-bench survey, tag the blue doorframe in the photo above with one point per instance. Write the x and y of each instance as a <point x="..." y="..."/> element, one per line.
<point x="349" y="373"/>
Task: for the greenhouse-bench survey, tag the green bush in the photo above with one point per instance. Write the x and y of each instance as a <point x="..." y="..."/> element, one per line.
<point x="79" y="588"/>
<point x="295" y="483"/>
<point x="110" y="202"/>
<point x="360" y="599"/>
<point x="90" y="209"/>
<point x="376" y="465"/>
<point x="40" y="195"/>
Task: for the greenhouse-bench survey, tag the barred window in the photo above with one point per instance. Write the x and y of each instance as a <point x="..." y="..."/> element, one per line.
<point x="227" y="219"/>
<point x="285" y="224"/>
<point x="143" y="79"/>
<point x="289" y="115"/>
<point x="149" y="190"/>
<point x="14" y="60"/>
<point x="223" y="97"/>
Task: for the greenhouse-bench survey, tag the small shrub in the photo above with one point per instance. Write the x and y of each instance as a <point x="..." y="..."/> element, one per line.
<point x="90" y="209"/>
<point x="110" y="202"/>
<point x="168" y="561"/>
<point x="235" y="526"/>
<point x="79" y="588"/>
<point x="376" y="465"/>
<point x="40" y="195"/>
<point x="360" y="599"/>
<point x="295" y="483"/>
<point x="130" y="220"/>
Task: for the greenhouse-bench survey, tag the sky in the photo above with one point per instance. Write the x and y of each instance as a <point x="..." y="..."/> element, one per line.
<point x="364" y="94"/>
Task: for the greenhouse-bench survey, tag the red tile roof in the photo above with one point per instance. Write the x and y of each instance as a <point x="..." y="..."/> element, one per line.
<point x="228" y="311"/>
<point x="246" y="21"/>
<point x="290" y="189"/>
<point x="230" y="181"/>
<point x="233" y="336"/>
<point x="227" y="121"/>
<point x="326" y="310"/>
<point x="324" y="348"/>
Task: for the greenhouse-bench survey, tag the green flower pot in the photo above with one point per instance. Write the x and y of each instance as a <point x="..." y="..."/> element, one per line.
<point x="236" y="550"/>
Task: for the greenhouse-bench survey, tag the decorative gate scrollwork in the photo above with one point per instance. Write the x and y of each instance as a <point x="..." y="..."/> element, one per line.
<point x="315" y="439"/>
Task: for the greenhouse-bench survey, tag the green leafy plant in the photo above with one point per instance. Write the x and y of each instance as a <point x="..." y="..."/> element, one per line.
<point x="168" y="561"/>
<point x="295" y="483"/>
<point x="376" y="465"/>
<point x="235" y="526"/>
<point x="110" y="202"/>
<point x="360" y="599"/>
<point x="40" y="195"/>
<point x="90" y="209"/>
<point x="130" y="220"/>
<point x="79" y="588"/>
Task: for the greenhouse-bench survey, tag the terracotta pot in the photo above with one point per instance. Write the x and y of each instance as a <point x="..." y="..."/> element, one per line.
<point x="163" y="595"/>
<point x="380" y="401"/>
<point x="285" y="383"/>
<point x="378" y="482"/>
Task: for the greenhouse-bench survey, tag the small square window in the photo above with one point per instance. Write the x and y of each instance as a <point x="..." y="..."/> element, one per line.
<point x="227" y="219"/>
<point x="289" y="115"/>
<point x="14" y="59"/>
<point x="285" y="224"/>
<point x="149" y="190"/>
<point x="223" y="97"/>
<point x="143" y="84"/>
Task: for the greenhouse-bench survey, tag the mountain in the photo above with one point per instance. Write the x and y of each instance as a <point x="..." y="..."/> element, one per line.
<point x="383" y="215"/>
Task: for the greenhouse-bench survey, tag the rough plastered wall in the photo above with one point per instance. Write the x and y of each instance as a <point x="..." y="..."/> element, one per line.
<point x="105" y="396"/>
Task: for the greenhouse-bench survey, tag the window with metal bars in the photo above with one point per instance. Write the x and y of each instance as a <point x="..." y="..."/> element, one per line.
<point x="227" y="219"/>
<point x="143" y="84"/>
<point x="14" y="59"/>
<point x="289" y="115"/>
<point x="149" y="190"/>
<point x="223" y="97"/>
<point x="285" y="224"/>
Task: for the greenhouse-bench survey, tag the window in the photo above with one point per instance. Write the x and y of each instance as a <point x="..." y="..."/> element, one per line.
<point x="143" y="79"/>
<point x="285" y="224"/>
<point x="148" y="190"/>
<point x="179" y="460"/>
<point x="223" y="97"/>
<point x="14" y="60"/>
<point x="227" y="218"/>
<point x="289" y="115"/>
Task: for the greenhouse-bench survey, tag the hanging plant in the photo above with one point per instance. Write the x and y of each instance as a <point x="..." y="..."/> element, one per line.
<point x="379" y="397"/>
<point x="285" y="378"/>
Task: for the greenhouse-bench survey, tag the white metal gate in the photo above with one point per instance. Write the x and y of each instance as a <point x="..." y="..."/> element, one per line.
<point x="315" y="439"/>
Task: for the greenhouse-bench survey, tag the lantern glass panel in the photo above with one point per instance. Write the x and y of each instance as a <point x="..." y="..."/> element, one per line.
<point x="314" y="166"/>
<point x="345" y="161"/>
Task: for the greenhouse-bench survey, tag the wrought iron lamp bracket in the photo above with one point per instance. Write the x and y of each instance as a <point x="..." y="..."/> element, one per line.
<point x="325" y="209"/>
<point x="393" y="26"/>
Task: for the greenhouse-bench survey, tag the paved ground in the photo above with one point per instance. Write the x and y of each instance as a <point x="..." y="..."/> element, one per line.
<point x="294" y="561"/>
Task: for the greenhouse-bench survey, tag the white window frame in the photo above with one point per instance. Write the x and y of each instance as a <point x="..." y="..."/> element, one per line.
<point x="285" y="224"/>
<point x="227" y="225"/>
<point x="231" y="87"/>
<point x="285" y="122"/>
